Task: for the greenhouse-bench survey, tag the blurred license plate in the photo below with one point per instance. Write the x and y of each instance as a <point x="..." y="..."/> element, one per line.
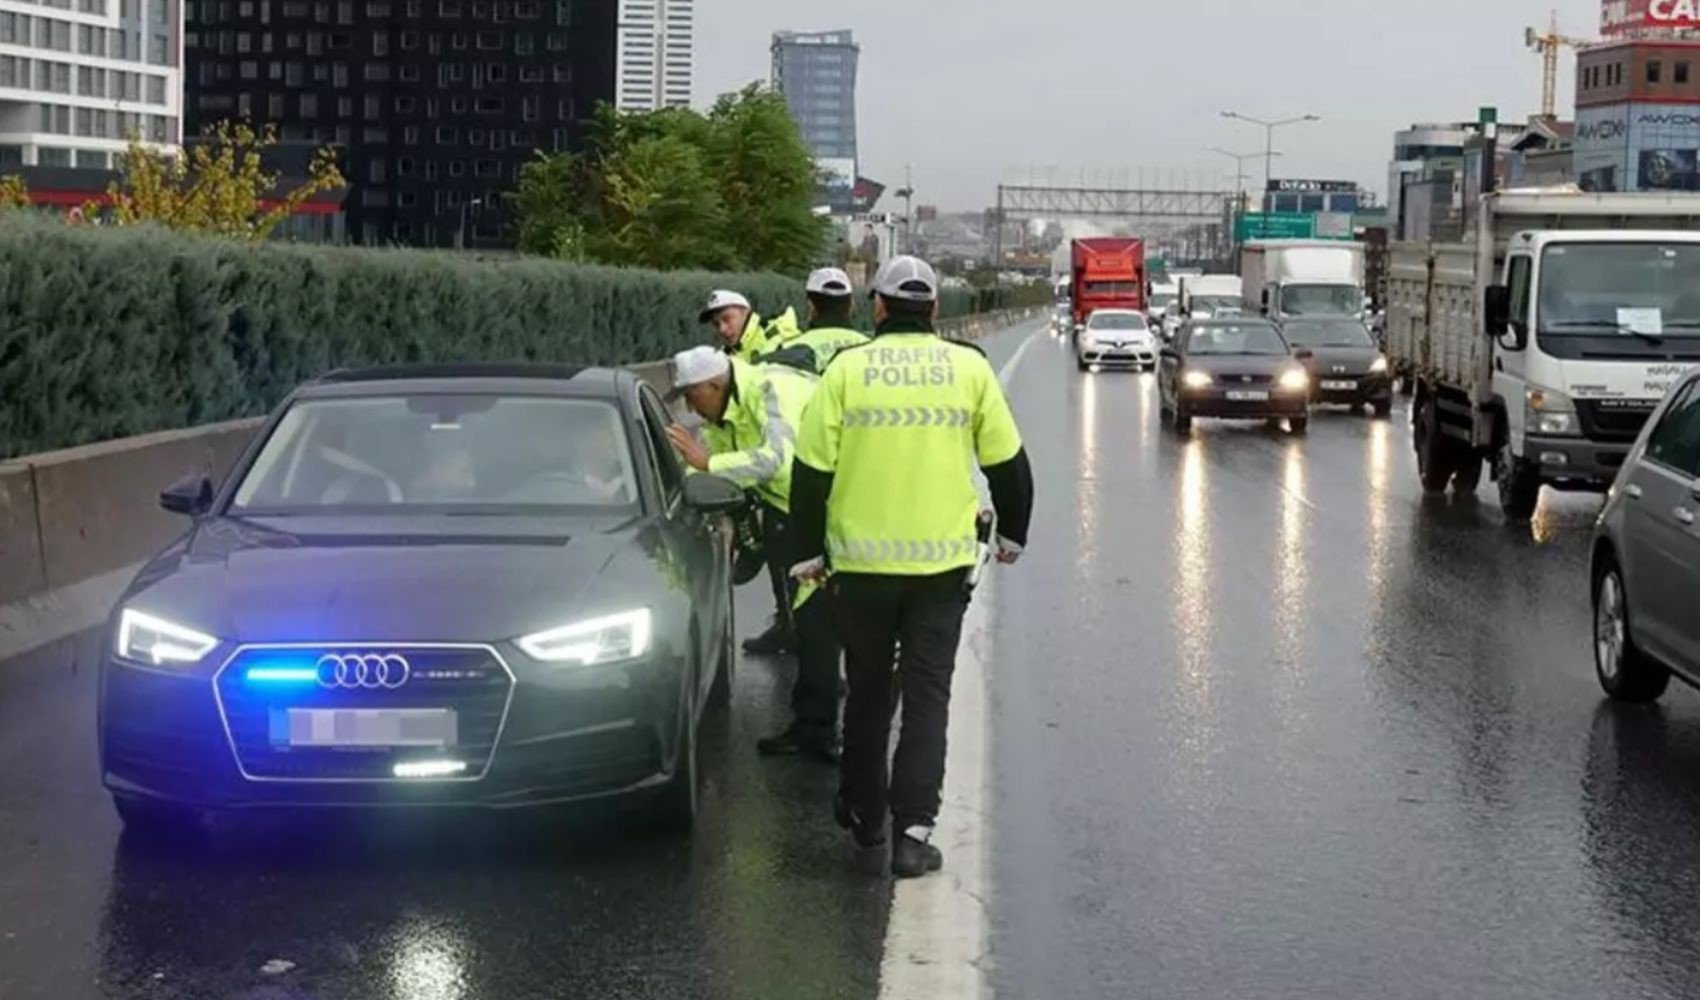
<point x="1247" y="395"/>
<point x="364" y="728"/>
<point x="1343" y="386"/>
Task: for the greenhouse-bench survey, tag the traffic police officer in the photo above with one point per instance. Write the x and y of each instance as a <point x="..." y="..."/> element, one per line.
<point x="883" y="495"/>
<point x="751" y="414"/>
<point x="829" y="330"/>
<point x="741" y="331"/>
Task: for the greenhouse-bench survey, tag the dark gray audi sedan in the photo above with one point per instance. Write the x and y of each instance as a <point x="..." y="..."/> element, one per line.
<point x="484" y="586"/>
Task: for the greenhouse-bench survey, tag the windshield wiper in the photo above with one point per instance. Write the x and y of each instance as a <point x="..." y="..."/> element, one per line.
<point x="1600" y="324"/>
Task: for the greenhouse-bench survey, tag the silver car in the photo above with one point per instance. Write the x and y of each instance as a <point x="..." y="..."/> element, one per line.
<point x="1646" y="562"/>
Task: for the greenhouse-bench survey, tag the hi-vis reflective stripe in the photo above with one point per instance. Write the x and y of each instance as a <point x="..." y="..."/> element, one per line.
<point x="906" y="416"/>
<point x="902" y="550"/>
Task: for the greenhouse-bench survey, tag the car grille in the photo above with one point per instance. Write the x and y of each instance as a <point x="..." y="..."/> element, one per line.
<point x="471" y="681"/>
<point x="1614" y="419"/>
<point x="1241" y="381"/>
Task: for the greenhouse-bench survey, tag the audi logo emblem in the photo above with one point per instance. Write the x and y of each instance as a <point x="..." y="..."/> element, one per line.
<point x="363" y="671"/>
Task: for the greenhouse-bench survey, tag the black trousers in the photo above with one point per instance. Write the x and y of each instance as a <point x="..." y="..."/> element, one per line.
<point x="814" y="696"/>
<point x="877" y="615"/>
<point x="776" y="546"/>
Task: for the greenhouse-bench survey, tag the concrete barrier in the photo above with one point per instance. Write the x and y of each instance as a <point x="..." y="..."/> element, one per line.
<point x="71" y="519"/>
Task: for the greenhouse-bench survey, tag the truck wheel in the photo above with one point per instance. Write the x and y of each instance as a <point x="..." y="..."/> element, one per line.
<point x="1468" y="473"/>
<point x="1434" y="452"/>
<point x="1626" y="673"/>
<point x="1519" y="485"/>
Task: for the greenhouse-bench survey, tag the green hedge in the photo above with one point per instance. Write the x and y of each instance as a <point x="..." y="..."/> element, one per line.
<point x="106" y="333"/>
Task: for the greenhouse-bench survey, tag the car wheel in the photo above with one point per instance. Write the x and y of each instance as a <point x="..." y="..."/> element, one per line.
<point x="1183" y="422"/>
<point x="158" y="821"/>
<point x="1080" y="363"/>
<point x="1434" y="454"/>
<point x="675" y="809"/>
<point x="1300" y="425"/>
<point x="1626" y="673"/>
<point x="1519" y="485"/>
<point x="726" y="663"/>
<point x="1382" y="408"/>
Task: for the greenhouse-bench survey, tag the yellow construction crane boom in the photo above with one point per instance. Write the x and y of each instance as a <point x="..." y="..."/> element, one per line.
<point x="1549" y="45"/>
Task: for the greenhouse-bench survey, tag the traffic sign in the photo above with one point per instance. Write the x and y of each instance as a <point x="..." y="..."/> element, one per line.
<point x="1274" y="226"/>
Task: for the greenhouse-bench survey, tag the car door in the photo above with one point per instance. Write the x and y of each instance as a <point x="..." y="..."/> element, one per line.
<point x="1169" y="368"/>
<point x="699" y="546"/>
<point x="1662" y="525"/>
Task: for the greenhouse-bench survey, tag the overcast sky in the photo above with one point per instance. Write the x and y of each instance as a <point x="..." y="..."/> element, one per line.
<point x="972" y="92"/>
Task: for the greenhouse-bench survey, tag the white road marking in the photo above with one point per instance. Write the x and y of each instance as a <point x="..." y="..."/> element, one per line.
<point x="937" y="945"/>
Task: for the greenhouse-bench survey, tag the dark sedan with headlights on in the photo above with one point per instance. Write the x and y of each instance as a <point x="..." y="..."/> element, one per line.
<point x="430" y="586"/>
<point x="1237" y="368"/>
<point x="1346" y="365"/>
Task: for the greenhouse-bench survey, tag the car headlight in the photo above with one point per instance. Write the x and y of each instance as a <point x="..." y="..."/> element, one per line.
<point x="593" y="642"/>
<point x="1551" y="413"/>
<point x="1197" y="380"/>
<point x="142" y="638"/>
<point x="1294" y="380"/>
<point x="1379" y="365"/>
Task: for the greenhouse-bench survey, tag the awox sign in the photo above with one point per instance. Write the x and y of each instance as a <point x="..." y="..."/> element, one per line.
<point x="1619" y="17"/>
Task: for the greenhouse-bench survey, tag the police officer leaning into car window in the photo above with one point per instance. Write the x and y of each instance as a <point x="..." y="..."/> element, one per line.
<point x="883" y="498"/>
<point x="750" y="418"/>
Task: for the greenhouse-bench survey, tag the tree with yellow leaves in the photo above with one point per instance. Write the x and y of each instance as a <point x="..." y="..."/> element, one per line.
<point x="219" y="185"/>
<point x="13" y="192"/>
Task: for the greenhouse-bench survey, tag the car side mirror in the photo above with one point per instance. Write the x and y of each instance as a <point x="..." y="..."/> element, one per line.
<point x="710" y="494"/>
<point x="1303" y="354"/>
<point x="191" y="495"/>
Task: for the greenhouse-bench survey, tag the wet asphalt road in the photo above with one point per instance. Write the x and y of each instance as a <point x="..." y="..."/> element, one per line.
<point x="1270" y="724"/>
<point x="768" y="900"/>
<point x="1266" y="723"/>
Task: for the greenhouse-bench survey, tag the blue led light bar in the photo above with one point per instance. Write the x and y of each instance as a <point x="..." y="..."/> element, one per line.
<point x="281" y="675"/>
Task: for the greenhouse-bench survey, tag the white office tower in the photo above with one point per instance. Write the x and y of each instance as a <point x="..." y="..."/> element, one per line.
<point x="656" y="60"/>
<point x="79" y="76"/>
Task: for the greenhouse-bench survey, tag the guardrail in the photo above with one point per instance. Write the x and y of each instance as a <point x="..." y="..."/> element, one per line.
<point x="85" y="517"/>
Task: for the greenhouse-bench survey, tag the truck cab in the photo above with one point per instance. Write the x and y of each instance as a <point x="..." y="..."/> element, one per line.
<point x="1310" y="279"/>
<point x="1586" y="332"/>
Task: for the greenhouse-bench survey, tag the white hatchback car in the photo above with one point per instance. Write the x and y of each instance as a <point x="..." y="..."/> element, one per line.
<point x="1116" y="338"/>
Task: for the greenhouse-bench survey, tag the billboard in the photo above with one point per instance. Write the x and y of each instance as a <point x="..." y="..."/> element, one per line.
<point x="1638" y="147"/>
<point x="1644" y="17"/>
<point x="1279" y="185"/>
<point x="838" y="183"/>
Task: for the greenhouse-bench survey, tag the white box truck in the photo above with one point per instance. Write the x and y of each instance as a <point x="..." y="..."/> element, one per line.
<point x="1540" y="344"/>
<point x="1311" y="278"/>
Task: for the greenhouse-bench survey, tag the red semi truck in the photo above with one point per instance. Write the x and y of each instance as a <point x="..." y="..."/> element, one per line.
<point x="1109" y="273"/>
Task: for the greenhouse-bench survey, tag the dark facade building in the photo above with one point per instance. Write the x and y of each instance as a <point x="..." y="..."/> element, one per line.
<point x="816" y="71"/>
<point x="436" y="104"/>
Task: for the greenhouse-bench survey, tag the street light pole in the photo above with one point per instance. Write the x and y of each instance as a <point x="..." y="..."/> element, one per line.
<point x="1269" y="128"/>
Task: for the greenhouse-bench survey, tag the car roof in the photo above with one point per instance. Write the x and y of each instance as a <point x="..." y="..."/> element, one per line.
<point x="531" y="378"/>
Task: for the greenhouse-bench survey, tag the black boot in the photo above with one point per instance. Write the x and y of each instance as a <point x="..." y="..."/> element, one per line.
<point x="796" y="743"/>
<point x="776" y="640"/>
<point x="911" y="858"/>
<point x="867" y="834"/>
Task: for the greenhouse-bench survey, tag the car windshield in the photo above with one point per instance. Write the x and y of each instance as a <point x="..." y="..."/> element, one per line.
<point x="1327" y="335"/>
<point x="1161" y="300"/>
<point x="1321" y="300"/>
<point x="487" y="454"/>
<point x="1246" y="338"/>
<point x="1117" y="321"/>
<point x="1624" y="288"/>
<point x="1216" y="303"/>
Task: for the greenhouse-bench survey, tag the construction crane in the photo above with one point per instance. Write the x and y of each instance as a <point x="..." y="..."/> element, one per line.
<point x="1549" y="45"/>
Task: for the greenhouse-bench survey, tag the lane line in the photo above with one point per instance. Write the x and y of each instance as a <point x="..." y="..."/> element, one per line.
<point x="937" y="942"/>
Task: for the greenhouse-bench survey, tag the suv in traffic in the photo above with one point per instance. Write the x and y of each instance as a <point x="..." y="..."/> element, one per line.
<point x="1646" y="561"/>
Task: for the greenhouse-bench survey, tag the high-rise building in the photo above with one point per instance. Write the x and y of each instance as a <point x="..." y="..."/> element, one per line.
<point x="816" y="71"/>
<point x="78" y="77"/>
<point x="657" y="54"/>
<point x="436" y="104"/>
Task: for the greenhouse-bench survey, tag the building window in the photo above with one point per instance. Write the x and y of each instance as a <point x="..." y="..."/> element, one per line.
<point x="525" y="43"/>
<point x="564" y="73"/>
<point x="490" y="41"/>
<point x="315" y="43"/>
<point x="377" y="170"/>
<point x="1655" y="71"/>
<point x="294" y="74"/>
<point x="1679" y="73"/>
<point x="496" y="73"/>
<point x="339" y="74"/>
<point x="404" y="166"/>
<point x="374" y="107"/>
<point x="409" y="41"/>
<point x="377" y="72"/>
<point x="459" y="104"/>
<point x="457" y="168"/>
<point x="410" y="73"/>
<point x="48" y="156"/>
<point x="309" y="105"/>
<point x="447" y="135"/>
<point x="345" y="107"/>
<point x="475" y="137"/>
<point x="407" y="199"/>
<point x="274" y="107"/>
<point x="531" y="74"/>
<point x="381" y="43"/>
<point x="377" y="8"/>
<point x="491" y="105"/>
<point x="410" y="135"/>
